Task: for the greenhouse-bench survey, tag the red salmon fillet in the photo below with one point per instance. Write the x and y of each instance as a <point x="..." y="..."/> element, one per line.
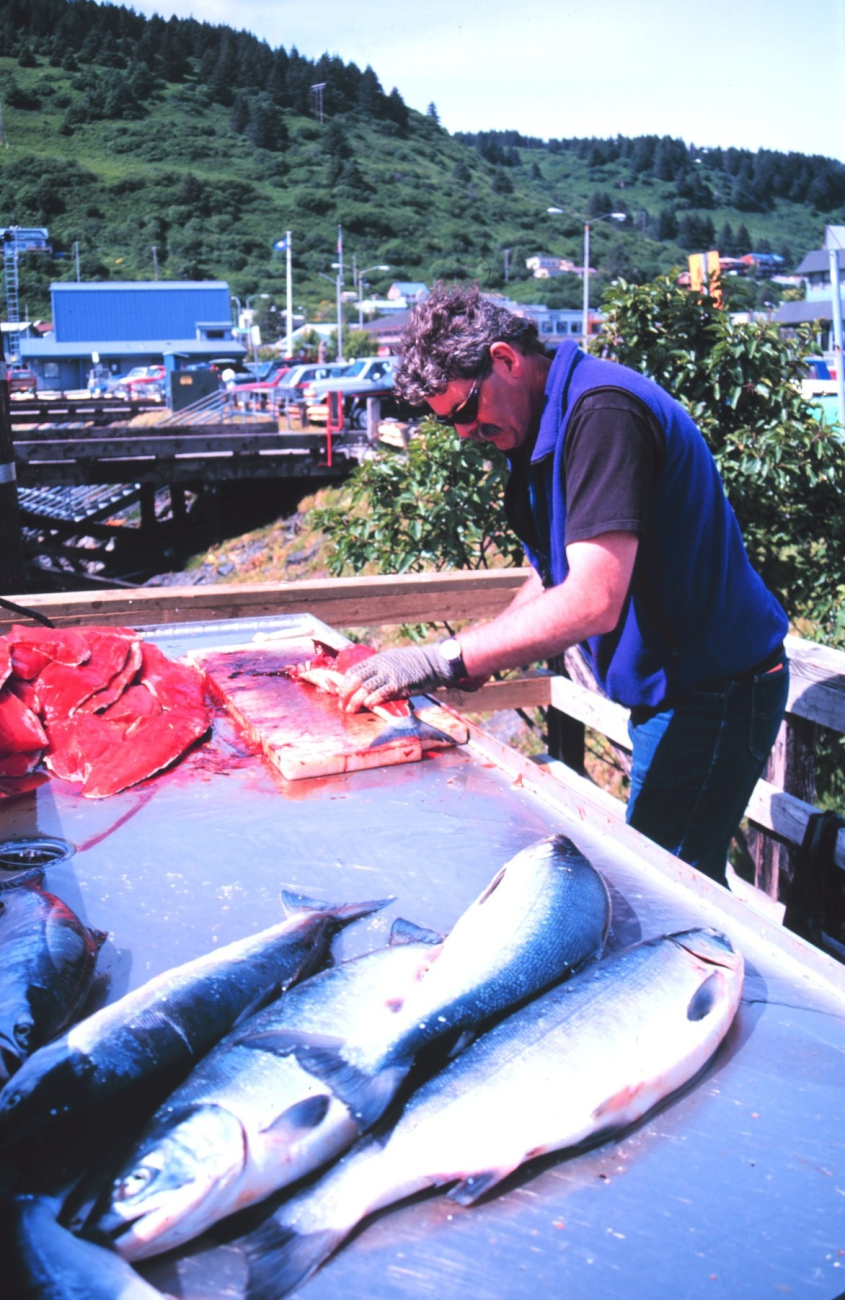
<point x="20" y="729"/>
<point x="154" y="744"/>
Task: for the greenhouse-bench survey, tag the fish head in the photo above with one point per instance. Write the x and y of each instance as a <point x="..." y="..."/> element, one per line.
<point x="17" y="1032"/>
<point x="716" y="970"/>
<point x="710" y="946"/>
<point x="167" y="1192"/>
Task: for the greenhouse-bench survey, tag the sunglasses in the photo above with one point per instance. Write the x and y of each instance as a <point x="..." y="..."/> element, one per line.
<point x="467" y="411"/>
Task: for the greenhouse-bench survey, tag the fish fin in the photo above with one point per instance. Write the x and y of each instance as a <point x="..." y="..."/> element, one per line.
<point x="468" y="1191"/>
<point x="403" y="931"/>
<point x="705" y="997"/>
<point x="280" y="1258"/>
<point x="367" y="1096"/>
<point x="300" y="1117"/>
<point x="32" y="878"/>
<point x="345" y="912"/>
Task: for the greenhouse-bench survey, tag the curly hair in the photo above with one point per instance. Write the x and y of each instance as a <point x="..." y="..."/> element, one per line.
<point x="448" y="335"/>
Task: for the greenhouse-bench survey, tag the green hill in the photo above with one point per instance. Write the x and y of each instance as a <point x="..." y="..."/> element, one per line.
<point x="123" y="132"/>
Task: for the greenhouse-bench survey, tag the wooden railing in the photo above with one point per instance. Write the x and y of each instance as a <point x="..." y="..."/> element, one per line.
<point x="781" y="805"/>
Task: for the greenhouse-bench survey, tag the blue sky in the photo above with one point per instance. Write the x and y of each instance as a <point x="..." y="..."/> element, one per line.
<point x="751" y="73"/>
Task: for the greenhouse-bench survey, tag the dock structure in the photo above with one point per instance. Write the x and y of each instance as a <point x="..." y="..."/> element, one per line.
<point x="179" y="454"/>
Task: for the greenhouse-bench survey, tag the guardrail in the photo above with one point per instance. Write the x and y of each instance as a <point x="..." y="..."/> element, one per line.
<point x="781" y="807"/>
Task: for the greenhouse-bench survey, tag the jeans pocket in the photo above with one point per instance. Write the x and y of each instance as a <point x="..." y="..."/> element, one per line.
<point x="768" y="703"/>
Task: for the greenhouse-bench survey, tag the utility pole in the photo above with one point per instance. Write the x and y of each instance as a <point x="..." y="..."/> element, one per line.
<point x="339" y="292"/>
<point x="318" y="89"/>
<point x="289" y="336"/>
<point x="507" y="264"/>
<point x="155" y="261"/>
<point x="836" y="313"/>
<point x="11" y="545"/>
<point x="76" y="256"/>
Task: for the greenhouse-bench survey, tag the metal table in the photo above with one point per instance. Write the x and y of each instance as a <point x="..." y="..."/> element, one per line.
<point x="736" y="1188"/>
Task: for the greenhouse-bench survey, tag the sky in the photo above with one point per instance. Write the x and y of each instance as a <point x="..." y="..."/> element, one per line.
<point x="750" y="73"/>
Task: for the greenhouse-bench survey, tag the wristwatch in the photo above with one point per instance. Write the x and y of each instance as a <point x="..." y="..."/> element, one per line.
<point x="450" y="650"/>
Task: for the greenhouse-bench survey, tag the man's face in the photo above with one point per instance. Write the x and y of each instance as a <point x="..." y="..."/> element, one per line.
<point x="504" y="409"/>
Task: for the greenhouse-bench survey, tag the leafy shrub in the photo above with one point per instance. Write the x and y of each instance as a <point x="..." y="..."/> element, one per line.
<point x="439" y="506"/>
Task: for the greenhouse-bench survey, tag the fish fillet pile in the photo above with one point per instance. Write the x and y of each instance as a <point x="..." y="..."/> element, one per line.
<point x="97" y="705"/>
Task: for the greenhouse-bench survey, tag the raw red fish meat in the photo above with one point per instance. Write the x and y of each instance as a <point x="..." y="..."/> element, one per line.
<point x="5" y="662"/>
<point x="19" y="764"/>
<point x="98" y="691"/>
<point x="174" y="685"/>
<point x="27" y="661"/>
<point x="20" y="729"/>
<point x="148" y="748"/>
<point x="329" y="665"/>
<point x="76" y="743"/>
<point x="12" y="786"/>
<point x="63" y="689"/>
<point x="63" y="644"/>
<point x="114" y="690"/>
<point x="135" y="703"/>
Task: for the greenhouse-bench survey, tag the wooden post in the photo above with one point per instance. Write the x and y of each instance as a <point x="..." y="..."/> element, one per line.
<point x="791" y="767"/>
<point x="148" y="510"/>
<point x="565" y="736"/>
<point x="12" y="577"/>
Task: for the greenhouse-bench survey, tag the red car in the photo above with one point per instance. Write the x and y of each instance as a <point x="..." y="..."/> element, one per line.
<point x="22" y="380"/>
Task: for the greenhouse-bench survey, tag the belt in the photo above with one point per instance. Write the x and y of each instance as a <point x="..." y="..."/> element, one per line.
<point x="641" y="713"/>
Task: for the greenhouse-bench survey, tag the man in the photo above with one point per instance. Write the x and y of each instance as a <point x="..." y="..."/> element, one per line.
<point x="637" y="556"/>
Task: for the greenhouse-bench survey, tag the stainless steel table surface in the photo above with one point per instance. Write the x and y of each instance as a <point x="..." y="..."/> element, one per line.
<point x="734" y="1188"/>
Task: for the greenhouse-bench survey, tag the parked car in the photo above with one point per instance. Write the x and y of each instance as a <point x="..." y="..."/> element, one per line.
<point x="367" y="373"/>
<point x="369" y="377"/>
<point x="142" y="382"/>
<point x="293" y="384"/>
<point x="21" y="379"/>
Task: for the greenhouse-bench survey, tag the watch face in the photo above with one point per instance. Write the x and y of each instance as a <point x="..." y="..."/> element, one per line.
<point x="451" y="651"/>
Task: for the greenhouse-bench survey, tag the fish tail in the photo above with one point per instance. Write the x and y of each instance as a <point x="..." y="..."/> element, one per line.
<point x="344" y="912"/>
<point x="32" y="878"/>
<point x="280" y="1258"/>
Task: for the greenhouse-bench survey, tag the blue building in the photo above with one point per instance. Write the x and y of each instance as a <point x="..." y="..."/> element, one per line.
<point x="131" y="323"/>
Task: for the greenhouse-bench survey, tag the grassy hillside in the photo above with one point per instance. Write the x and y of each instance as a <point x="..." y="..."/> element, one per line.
<point x="118" y="159"/>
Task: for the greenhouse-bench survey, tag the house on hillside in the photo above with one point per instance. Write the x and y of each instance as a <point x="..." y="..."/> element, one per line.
<point x="545" y="267"/>
<point x="817" y="304"/>
<point x="131" y="323"/>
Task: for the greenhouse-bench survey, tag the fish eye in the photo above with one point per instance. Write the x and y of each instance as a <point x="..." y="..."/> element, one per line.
<point x="134" y="1184"/>
<point x="23" y="1032"/>
<point x="13" y="1099"/>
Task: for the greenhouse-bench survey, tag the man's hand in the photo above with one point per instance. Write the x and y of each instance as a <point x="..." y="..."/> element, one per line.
<point x="392" y="675"/>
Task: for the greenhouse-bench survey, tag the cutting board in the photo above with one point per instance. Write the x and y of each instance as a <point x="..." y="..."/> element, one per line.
<point x="301" y="729"/>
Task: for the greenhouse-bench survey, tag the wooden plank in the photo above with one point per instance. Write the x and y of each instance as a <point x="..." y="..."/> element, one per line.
<point x="61" y="432"/>
<point x="593" y="710"/>
<point x="787" y="816"/>
<point x="163" y="470"/>
<point x="97" y="447"/>
<point x="529" y="691"/>
<point x="817" y="682"/>
<point x="385" y="599"/>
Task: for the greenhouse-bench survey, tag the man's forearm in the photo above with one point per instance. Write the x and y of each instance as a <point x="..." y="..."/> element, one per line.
<point x="539" y="624"/>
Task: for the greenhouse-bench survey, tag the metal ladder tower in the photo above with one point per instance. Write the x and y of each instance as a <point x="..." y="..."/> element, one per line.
<point x="10" y="280"/>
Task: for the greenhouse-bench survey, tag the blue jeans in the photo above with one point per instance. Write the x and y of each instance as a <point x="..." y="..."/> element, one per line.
<point x="696" y="764"/>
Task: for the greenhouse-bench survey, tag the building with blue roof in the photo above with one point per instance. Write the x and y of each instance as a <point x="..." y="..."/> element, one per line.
<point x="127" y="323"/>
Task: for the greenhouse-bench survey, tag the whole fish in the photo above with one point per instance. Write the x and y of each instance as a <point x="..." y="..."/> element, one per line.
<point x="171" y="1020"/>
<point x="43" y="1261"/>
<point x="47" y="960"/>
<point x="297" y="1084"/>
<point x="588" y="1057"/>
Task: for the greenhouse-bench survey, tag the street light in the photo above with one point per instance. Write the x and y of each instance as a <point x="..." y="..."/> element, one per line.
<point x="612" y="216"/>
<point x="251" y="337"/>
<point x="381" y="267"/>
